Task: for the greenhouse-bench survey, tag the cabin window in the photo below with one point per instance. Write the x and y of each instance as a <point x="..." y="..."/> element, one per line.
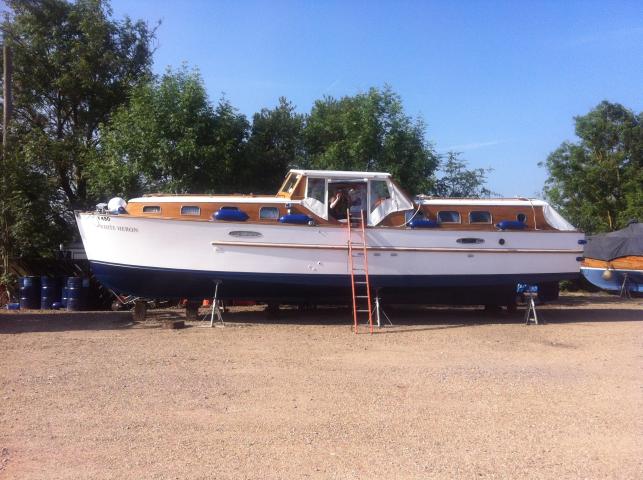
<point x="479" y="217"/>
<point x="268" y="213"/>
<point x="379" y="193"/>
<point x="151" y="209"/>
<point x="521" y="217"/>
<point x="449" y="216"/>
<point x="190" y="210"/>
<point x="316" y="188"/>
<point x="289" y="184"/>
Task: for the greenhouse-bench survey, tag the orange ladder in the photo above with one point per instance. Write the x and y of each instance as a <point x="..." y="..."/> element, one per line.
<point x="360" y="285"/>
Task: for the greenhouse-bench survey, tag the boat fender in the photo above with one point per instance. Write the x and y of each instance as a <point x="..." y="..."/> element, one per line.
<point x="117" y="206"/>
<point x="230" y="214"/>
<point x="511" y="225"/>
<point x="296" y="218"/>
<point x="423" y="223"/>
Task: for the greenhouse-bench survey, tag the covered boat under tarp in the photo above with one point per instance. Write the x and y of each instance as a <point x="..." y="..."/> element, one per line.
<point x="622" y="243"/>
<point x="614" y="261"/>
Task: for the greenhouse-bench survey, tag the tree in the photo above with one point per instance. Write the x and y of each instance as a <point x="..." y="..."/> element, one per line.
<point x="275" y="145"/>
<point x="169" y="138"/>
<point x="370" y="131"/>
<point x="458" y="181"/>
<point x="73" y="65"/>
<point x="598" y="182"/>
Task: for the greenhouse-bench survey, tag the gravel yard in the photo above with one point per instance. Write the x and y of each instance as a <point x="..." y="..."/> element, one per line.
<point x="444" y="393"/>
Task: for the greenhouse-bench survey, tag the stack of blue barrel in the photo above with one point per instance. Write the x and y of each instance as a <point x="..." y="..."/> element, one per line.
<point x="71" y="293"/>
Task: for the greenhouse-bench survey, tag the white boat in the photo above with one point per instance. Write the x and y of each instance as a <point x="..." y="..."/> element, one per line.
<point x="294" y="245"/>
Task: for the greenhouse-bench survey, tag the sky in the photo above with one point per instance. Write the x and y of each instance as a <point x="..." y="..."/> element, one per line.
<point x="498" y="81"/>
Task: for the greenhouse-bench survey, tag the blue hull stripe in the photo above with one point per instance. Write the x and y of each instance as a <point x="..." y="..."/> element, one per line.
<point x="174" y="283"/>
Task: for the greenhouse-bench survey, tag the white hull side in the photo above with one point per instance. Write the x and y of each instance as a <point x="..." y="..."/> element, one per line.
<point x="204" y="246"/>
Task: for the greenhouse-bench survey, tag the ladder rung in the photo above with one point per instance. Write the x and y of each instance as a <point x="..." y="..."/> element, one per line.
<point x="362" y="311"/>
<point x="361" y="296"/>
<point x="360" y="283"/>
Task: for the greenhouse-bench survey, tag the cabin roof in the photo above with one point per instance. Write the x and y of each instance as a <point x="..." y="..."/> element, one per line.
<point x="193" y="199"/>
<point x="342" y="174"/>
<point x="528" y="202"/>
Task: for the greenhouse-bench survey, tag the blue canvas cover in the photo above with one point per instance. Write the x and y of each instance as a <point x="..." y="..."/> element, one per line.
<point x="622" y="243"/>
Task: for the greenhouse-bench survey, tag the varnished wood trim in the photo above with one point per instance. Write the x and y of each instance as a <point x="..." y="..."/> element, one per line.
<point x="622" y="263"/>
<point x="391" y="249"/>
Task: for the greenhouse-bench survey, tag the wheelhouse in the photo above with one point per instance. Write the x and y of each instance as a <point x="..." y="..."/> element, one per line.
<point x="330" y="194"/>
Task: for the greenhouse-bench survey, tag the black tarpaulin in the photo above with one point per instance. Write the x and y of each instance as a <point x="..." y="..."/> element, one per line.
<point x="622" y="243"/>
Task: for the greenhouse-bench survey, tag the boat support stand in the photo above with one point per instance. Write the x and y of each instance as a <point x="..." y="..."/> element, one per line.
<point x="530" y="314"/>
<point x="379" y="311"/>
<point x="216" y="307"/>
<point x="625" y="287"/>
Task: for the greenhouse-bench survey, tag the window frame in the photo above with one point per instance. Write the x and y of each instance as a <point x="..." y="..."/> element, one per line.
<point x="459" y="222"/>
<point x="481" y="223"/>
<point x="152" y="206"/>
<point x="269" y="218"/>
<point x="190" y="214"/>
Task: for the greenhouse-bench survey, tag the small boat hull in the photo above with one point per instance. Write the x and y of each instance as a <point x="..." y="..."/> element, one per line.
<point x="615" y="280"/>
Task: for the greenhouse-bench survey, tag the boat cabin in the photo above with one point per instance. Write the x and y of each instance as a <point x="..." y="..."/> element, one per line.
<point x="326" y="197"/>
<point x="331" y="194"/>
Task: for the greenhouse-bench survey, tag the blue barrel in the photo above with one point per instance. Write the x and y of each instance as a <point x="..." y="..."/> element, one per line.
<point x="29" y="292"/>
<point x="74" y="294"/>
<point x="85" y="293"/>
<point x="63" y="293"/>
<point x="49" y="291"/>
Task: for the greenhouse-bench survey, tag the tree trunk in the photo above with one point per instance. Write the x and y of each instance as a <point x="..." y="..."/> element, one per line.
<point x="6" y="118"/>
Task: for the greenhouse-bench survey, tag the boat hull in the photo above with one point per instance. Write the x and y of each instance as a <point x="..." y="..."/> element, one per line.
<point x="164" y="258"/>
<point x="615" y="282"/>
<point x="174" y="283"/>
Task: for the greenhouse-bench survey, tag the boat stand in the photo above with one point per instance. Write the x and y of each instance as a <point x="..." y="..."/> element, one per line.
<point x="378" y="310"/>
<point x="530" y="315"/>
<point x="625" y="287"/>
<point x="216" y="307"/>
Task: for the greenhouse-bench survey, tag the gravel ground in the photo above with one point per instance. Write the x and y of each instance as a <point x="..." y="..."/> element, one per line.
<point x="444" y="394"/>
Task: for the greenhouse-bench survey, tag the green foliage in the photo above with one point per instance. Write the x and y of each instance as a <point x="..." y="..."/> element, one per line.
<point x="598" y="182"/>
<point x="169" y="138"/>
<point x="31" y="204"/>
<point x="370" y="131"/>
<point x="73" y="65"/>
<point x="275" y="145"/>
<point x="457" y="181"/>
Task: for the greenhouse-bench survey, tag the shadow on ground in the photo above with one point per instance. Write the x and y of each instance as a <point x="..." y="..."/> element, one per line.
<point x="569" y="309"/>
